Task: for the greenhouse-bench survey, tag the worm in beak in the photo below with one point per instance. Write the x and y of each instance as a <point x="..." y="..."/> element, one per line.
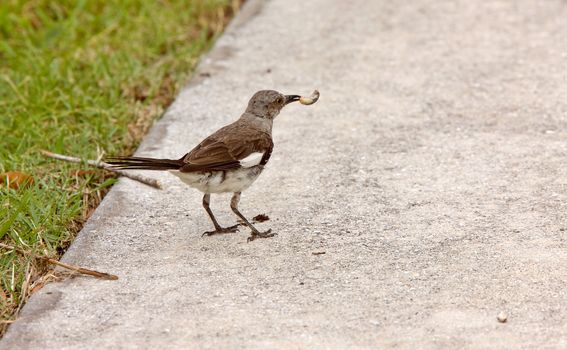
<point x="303" y="99"/>
<point x="309" y="100"/>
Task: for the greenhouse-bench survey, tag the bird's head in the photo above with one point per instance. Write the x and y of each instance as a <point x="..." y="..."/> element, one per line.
<point x="268" y="103"/>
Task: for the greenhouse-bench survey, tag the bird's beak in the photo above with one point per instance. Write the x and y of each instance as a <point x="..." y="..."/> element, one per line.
<point x="291" y="98"/>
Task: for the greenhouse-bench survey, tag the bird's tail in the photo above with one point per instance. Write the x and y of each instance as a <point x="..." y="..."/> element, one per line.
<point x="144" y="163"/>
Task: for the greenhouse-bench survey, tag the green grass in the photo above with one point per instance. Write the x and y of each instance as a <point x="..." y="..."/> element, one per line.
<point x="78" y="77"/>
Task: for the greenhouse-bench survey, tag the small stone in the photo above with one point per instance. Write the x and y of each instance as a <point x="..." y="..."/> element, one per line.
<point x="502" y="317"/>
<point x="375" y="322"/>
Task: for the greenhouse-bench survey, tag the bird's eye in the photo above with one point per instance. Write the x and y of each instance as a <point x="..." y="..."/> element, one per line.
<point x="280" y="100"/>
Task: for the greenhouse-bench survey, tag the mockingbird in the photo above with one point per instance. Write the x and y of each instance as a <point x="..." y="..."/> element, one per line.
<point x="230" y="159"/>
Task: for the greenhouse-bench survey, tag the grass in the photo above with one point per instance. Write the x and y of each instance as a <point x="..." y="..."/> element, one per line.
<point x="81" y="77"/>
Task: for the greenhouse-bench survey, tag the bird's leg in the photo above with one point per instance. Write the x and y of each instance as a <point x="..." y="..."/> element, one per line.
<point x="255" y="233"/>
<point x="218" y="228"/>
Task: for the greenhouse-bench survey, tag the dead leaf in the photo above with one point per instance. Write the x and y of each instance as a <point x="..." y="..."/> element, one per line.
<point x="37" y="287"/>
<point x="16" y="179"/>
<point x="78" y="173"/>
<point x="261" y="218"/>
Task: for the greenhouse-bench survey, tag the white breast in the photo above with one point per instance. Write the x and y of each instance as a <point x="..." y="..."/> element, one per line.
<point x="236" y="180"/>
<point x="253" y="159"/>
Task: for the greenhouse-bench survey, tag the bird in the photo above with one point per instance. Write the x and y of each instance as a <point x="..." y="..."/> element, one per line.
<point x="229" y="160"/>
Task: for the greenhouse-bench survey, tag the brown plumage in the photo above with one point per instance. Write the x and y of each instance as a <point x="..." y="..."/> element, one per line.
<point x="229" y="160"/>
<point x="222" y="150"/>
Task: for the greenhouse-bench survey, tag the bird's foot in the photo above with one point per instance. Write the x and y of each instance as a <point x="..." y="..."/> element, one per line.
<point x="258" y="218"/>
<point x="221" y="230"/>
<point x="266" y="234"/>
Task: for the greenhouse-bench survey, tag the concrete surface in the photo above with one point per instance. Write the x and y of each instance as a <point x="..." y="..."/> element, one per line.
<point x="432" y="173"/>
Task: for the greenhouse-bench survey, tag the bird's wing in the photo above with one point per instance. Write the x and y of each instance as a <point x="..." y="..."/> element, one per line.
<point x="231" y="147"/>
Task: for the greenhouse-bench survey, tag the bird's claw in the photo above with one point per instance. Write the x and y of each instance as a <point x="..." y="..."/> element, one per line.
<point x="266" y="234"/>
<point x="221" y="230"/>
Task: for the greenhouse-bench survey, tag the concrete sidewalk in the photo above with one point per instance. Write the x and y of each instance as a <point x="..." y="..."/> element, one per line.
<point x="432" y="173"/>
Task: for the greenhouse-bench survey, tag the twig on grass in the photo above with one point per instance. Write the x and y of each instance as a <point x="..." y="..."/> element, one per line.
<point x="102" y="275"/>
<point x="100" y="164"/>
